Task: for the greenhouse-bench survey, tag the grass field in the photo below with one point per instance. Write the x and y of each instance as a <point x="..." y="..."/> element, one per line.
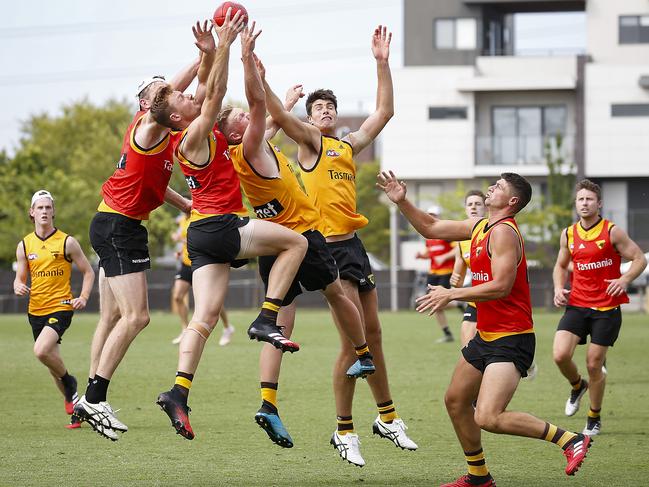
<point x="230" y="449"/>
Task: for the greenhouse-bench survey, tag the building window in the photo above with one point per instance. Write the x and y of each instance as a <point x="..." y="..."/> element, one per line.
<point x="630" y="110"/>
<point x="634" y="29"/>
<point x="440" y="113"/>
<point x="521" y="133"/>
<point x="456" y="34"/>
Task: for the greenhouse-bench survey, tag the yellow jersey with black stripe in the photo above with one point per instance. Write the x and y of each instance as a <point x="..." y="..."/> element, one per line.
<point x="331" y="186"/>
<point x="183" y="224"/>
<point x="50" y="272"/>
<point x="280" y="200"/>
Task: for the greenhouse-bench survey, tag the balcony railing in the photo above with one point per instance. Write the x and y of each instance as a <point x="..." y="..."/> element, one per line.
<point x="494" y="150"/>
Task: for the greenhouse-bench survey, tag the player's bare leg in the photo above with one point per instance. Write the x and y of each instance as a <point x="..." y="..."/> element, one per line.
<point x="595" y="357"/>
<point x="179" y="293"/>
<point x="563" y="350"/>
<point x="109" y="314"/>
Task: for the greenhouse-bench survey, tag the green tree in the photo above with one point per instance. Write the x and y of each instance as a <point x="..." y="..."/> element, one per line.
<point x="70" y="155"/>
<point x="376" y="235"/>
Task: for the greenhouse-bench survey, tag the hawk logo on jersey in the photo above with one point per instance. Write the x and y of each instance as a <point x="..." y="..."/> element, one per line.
<point x="32" y="256"/>
<point x="600" y="244"/>
<point x="192" y="182"/>
<point x="52" y="321"/>
<point x="55" y="253"/>
<point x="332" y="153"/>
<point x="121" y="164"/>
<point x="478" y="251"/>
<point x="268" y="210"/>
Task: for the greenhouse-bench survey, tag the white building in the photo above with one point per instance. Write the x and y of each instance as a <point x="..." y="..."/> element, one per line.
<point x="470" y="103"/>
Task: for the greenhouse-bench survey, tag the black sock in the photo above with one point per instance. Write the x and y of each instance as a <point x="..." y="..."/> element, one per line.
<point x="97" y="389"/>
<point x="270" y="308"/>
<point x="182" y="385"/>
<point x="447" y="331"/>
<point x="68" y="381"/>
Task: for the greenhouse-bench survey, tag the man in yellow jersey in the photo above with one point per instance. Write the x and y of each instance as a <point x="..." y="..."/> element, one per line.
<point x="594" y="246"/>
<point x="474" y="208"/>
<point x="329" y="174"/>
<point x="273" y="190"/>
<point x="138" y="186"/>
<point x="495" y="359"/>
<point x="46" y="256"/>
<point x="182" y="283"/>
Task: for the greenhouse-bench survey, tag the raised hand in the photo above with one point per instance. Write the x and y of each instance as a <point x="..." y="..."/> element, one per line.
<point x="381" y="43"/>
<point x="248" y="39"/>
<point x="260" y="67"/>
<point x="395" y="190"/>
<point x="231" y="27"/>
<point x="293" y="94"/>
<point x="204" y="38"/>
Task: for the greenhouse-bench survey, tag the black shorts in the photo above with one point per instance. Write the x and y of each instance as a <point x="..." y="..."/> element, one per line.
<point x="121" y="244"/>
<point x="184" y="273"/>
<point x="216" y="240"/>
<point x="470" y="313"/>
<point x="317" y="271"/>
<point x="602" y="326"/>
<point x="353" y="263"/>
<point x="443" y="280"/>
<point x="518" y="349"/>
<point x="59" y="321"/>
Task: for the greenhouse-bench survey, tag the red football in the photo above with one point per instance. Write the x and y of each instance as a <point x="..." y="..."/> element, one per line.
<point x="219" y="13"/>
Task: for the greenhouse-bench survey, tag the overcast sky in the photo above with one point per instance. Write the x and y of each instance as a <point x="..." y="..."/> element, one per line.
<point x="57" y="52"/>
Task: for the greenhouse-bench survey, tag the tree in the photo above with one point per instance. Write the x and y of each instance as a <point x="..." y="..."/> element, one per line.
<point x="376" y="235"/>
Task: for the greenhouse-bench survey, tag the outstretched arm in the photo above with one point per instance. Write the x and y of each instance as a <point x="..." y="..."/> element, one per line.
<point x="293" y="94"/>
<point x="204" y="42"/>
<point x="426" y="224"/>
<point x="75" y="254"/>
<point x="216" y="87"/>
<point x="628" y="249"/>
<point x="302" y="133"/>
<point x="22" y="269"/>
<point x="253" y="137"/>
<point x="373" y="125"/>
<point x="175" y="199"/>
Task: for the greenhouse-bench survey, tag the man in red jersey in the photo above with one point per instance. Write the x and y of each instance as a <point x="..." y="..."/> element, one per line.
<point x="442" y="258"/>
<point x="137" y="187"/>
<point x="219" y="235"/>
<point x="493" y="362"/>
<point x="595" y="247"/>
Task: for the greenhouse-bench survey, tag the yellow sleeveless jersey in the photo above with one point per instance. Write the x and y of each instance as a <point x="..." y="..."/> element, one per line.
<point x="465" y="251"/>
<point x="331" y="186"/>
<point x="50" y="273"/>
<point x="183" y="224"/>
<point x="279" y="200"/>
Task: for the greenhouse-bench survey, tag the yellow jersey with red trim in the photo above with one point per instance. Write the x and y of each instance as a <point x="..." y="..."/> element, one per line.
<point x="280" y="199"/>
<point x="331" y="186"/>
<point x="509" y="315"/>
<point x="183" y="224"/>
<point x="50" y="272"/>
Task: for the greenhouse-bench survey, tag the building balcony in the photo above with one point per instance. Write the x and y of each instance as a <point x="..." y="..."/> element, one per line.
<point x="529" y="153"/>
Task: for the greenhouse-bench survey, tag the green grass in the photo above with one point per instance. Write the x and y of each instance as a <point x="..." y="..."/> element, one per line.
<point x="230" y="449"/>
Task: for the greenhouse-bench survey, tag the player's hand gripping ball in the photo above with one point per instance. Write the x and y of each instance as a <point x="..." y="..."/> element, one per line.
<point x="219" y="13"/>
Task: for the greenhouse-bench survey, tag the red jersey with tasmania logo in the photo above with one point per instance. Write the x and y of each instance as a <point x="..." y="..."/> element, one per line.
<point x="512" y="314"/>
<point x="435" y="247"/>
<point x="214" y="184"/>
<point x="594" y="260"/>
<point x="140" y="181"/>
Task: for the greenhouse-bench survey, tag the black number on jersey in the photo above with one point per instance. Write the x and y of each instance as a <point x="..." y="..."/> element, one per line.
<point x="121" y="164"/>
<point x="192" y="182"/>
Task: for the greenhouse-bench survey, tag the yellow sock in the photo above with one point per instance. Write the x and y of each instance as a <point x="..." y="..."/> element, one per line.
<point x="476" y="463"/>
<point x="345" y="425"/>
<point x="387" y="411"/>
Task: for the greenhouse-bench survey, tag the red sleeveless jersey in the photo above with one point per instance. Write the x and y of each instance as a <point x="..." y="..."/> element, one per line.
<point x="214" y="184"/>
<point x="594" y="260"/>
<point x="435" y="247"/>
<point x="138" y="185"/>
<point x="513" y="313"/>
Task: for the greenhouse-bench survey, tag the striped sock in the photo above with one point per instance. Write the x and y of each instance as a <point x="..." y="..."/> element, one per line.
<point x="268" y="397"/>
<point x="345" y="425"/>
<point x="594" y="413"/>
<point x="556" y="435"/>
<point x="362" y="350"/>
<point x="387" y="411"/>
<point x="270" y="308"/>
<point x="478" y="471"/>
<point x="577" y="384"/>
<point x="183" y="383"/>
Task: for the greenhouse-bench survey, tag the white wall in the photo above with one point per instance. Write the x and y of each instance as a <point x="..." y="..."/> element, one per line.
<point x="615" y="146"/>
<point x="419" y="148"/>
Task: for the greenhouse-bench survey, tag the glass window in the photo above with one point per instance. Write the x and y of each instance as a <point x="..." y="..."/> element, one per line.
<point x="633" y="29"/>
<point x="444" y="33"/>
<point x="554" y="121"/>
<point x="456" y="33"/>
